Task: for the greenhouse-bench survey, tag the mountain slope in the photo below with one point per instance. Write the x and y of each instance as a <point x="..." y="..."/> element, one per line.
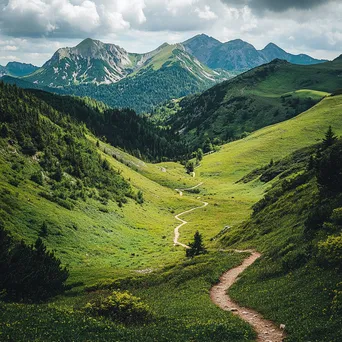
<point x="54" y="171"/>
<point x="170" y="72"/>
<point x="17" y="69"/>
<point x="91" y="61"/>
<point x="263" y="96"/>
<point x="272" y="51"/>
<point x="237" y="55"/>
<point x="120" y="79"/>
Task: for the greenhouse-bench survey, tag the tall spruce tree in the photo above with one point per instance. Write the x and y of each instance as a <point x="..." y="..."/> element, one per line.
<point x="330" y="138"/>
<point x="196" y="247"/>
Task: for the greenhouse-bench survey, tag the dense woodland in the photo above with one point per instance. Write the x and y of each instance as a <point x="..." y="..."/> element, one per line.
<point x="67" y="161"/>
<point x="143" y="92"/>
<point x="120" y="127"/>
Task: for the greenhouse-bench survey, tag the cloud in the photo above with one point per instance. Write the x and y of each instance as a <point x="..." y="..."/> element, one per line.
<point x="68" y="18"/>
<point x="206" y="13"/>
<point x="37" y="28"/>
<point x="259" y="6"/>
<point x="10" y="48"/>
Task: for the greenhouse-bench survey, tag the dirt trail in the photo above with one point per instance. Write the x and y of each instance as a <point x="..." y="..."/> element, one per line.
<point x="194" y="187"/>
<point x="266" y="330"/>
<point x="183" y="222"/>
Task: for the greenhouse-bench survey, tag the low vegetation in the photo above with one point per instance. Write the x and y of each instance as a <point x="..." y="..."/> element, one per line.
<point x="297" y="225"/>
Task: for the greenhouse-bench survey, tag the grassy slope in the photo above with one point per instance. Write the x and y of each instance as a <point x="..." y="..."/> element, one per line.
<point x="178" y="296"/>
<point x="230" y="203"/>
<point x="93" y="234"/>
<point x="268" y="94"/>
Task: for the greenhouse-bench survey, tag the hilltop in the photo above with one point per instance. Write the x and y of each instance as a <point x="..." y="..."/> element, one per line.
<point x="265" y="95"/>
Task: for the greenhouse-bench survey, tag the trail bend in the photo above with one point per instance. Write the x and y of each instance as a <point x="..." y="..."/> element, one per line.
<point x="266" y="330"/>
<point x="183" y="222"/>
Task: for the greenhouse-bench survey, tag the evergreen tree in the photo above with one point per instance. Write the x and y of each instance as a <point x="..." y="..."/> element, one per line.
<point x="199" y="156"/>
<point x="43" y="230"/>
<point x="207" y="146"/>
<point x="190" y="166"/>
<point x="330" y="138"/>
<point x="196" y="247"/>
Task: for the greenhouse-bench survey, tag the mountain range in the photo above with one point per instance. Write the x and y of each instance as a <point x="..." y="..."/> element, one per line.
<point x="108" y="73"/>
<point x="97" y="203"/>
<point x="94" y="62"/>
<point x="238" y="55"/>
<point x="268" y="94"/>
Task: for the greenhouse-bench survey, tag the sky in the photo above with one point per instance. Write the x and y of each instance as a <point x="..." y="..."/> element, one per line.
<point x="32" y="30"/>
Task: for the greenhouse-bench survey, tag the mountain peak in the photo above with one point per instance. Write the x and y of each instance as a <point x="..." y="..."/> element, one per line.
<point x="87" y="42"/>
<point x="272" y="46"/>
<point x="238" y="43"/>
<point x="201" y="38"/>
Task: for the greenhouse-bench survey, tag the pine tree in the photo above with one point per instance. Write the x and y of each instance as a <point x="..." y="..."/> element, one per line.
<point x="44" y="230"/>
<point x="196" y="247"/>
<point x="330" y="138"/>
<point x="190" y="167"/>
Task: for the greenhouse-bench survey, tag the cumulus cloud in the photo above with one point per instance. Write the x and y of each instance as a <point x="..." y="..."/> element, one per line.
<point x="206" y="13"/>
<point x="277" y="5"/>
<point x="60" y="18"/>
<point x="34" y="29"/>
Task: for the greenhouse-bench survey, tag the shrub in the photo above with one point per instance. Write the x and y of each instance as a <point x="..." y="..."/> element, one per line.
<point x="120" y="306"/>
<point x="37" y="177"/>
<point x="140" y="197"/>
<point x="330" y="250"/>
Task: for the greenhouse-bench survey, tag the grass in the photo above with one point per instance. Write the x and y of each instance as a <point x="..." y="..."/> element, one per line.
<point x="230" y="202"/>
<point x="182" y="310"/>
<point x="120" y="240"/>
<point x="101" y="243"/>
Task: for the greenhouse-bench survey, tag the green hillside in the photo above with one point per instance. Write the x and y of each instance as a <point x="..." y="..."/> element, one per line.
<point x="101" y="229"/>
<point x="266" y="95"/>
<point x="109" y="217"/>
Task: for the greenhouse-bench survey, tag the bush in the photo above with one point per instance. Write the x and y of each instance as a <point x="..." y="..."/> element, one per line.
<point x="330" y="251"/>
<point x="37" y="177"/>
<point x="120" y="306"/>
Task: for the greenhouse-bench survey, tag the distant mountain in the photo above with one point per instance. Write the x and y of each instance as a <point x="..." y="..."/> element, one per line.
<point x="237" y="55"/>
<point x="91" y="61"/>
<point x="272" y="51"/>
<point x="17" y="69"/>
<point x="202" y="46"/>
<point x="94" y="62"/>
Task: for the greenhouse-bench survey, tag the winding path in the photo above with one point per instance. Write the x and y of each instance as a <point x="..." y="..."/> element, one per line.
<point x="266" y="330"/>
<point x="183" y="222"/>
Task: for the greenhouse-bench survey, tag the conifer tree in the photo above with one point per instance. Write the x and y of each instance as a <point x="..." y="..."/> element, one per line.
<point x="330" y="138"/>
<point x="196" y="247"/>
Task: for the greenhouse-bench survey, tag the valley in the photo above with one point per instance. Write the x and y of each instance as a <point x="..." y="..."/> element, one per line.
<point x="172" y="195"/>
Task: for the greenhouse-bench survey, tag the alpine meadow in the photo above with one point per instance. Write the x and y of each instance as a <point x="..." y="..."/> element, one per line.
<point x="188" y="191"/>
